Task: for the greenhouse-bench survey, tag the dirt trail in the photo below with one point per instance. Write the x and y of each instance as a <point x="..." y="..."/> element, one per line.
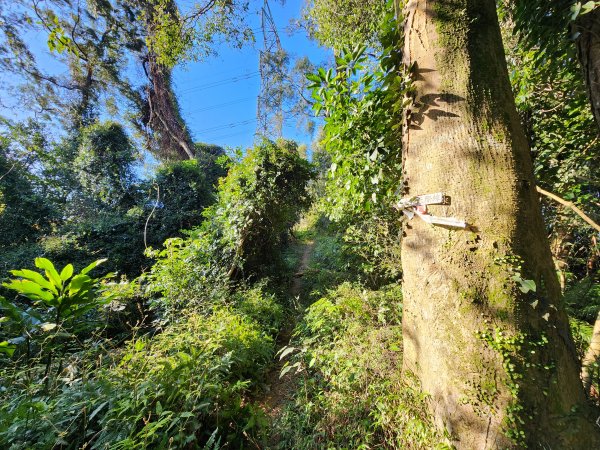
<point x="297" y="283"/>
<point x="281" y="389"/>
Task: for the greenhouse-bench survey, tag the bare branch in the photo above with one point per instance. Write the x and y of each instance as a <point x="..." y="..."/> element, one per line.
<point x="571" y="205"/>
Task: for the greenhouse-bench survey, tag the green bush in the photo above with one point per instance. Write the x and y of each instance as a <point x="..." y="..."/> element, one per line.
<point x="24" y="213"/>
<point x="184" y="193"/>
<point x="583" y="299"/>
<point x="244" y="232"/>
<point x="104" y="165"/>
<point x="352" y="393"/>
<point x="174" y="390"/>
<point x="210" y="158"/>
<point x="261" y="306"/>
<point x="185" y="275"/>
<point x="260" y="200"/>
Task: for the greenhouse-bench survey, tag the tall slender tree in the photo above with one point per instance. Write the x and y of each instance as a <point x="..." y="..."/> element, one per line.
<point x="484" y="327"/>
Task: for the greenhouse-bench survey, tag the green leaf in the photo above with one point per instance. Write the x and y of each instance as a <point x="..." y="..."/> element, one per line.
<point x="527" y="285"/>
<point x="93" y="265"/>
<point x="286" y="351"/>
<point x="31" y="290"/>
<point x="24" y="318"/>
<point x="7" y="348"/>
<point x="97" y="410"/>
<point x="67" y="272"/>
<point x="48" y="326"/>
<point x="36" y="277"/>
<point x="285" y="370"/>
<point x="588" y="7"/>
<point x="575" y="10"/>
<point x="51" y="272"/>
<point x="78" y="283"/>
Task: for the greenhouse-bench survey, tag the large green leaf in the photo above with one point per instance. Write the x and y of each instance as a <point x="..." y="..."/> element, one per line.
<point x="36" y="277"/>
<point x="31" y="290"/>
<point x="79" y="282"/>
<point x="51" y="272"/>
<point x="67" y="272"/>
<point x="93" y="265"/>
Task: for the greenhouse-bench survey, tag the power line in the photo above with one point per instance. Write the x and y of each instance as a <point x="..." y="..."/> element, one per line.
<point x="217" y="75"/>
<point x="225" y="136"/>
<point x="229" y="125"/>
<point x="221" y="105"/>
<point x="235" y="79"/>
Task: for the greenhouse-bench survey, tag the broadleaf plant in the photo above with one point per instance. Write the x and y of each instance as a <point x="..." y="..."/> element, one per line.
<point x="69" y="295"/>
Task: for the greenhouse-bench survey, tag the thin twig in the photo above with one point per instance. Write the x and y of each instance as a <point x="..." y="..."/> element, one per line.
<point x="9" y="171"/>
<point x="151" y="212"/>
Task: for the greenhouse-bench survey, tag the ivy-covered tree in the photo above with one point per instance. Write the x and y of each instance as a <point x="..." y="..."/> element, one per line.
<point x="259" y="201"/>
<point x="104" y="164"/>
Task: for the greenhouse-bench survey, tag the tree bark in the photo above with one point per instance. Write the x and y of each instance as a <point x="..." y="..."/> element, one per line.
<point x="591" y="356"/>
<point x="499" y="363"/>
<point x="588" y="50"/>
<point x="164" y="119"/>
<point x="174" y="140"/>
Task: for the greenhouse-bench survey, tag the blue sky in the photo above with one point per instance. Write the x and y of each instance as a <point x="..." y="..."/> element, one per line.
<point x="218" y="96"/>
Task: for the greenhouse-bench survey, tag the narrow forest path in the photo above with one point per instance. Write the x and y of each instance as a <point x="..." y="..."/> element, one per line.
<point x="279" y="390"/>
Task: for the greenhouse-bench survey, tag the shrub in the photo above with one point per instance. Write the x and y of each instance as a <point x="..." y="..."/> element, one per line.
<point x="177" y="389"/>
<point x="259" y="202"/>
<point x="260" y="306"/>
<point x="185" y="275"/>
<point x="104" y="164"/>
<point x="24" y="213"/>
<point x="243" y="234"/>
<point x="583" y="299"/>
<point x="184" y="193"/>
<point x="352" y="393"/>
<point x="53" y="306"/>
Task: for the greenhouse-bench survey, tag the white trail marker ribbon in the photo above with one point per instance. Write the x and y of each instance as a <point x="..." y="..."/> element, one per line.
<point x="418" y="205"/>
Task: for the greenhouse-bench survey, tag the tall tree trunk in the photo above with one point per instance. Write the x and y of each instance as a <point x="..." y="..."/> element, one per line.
<point x="499" y="363"/>
<point x="588" y="50"/>
<point x="174" y="140"/>
<point x="164" y="119"/>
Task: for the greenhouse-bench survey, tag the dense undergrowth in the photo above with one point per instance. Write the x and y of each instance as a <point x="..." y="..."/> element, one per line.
<point x="345" y="357"/>
<point x="168" y="360"/>
<point x="176" y="350"/>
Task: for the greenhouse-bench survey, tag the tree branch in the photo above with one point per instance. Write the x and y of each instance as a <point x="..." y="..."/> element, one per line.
<point x="569" y="204"/>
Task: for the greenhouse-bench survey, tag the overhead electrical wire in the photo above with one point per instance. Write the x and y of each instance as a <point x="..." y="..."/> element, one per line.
<point x="225" y="81"/>
<point x="232" y="125"/>
<point x="244" y="69"/>
<point x="221" y="105"/>
<point x="225" y="136"/>
<point x="229" y="125"/>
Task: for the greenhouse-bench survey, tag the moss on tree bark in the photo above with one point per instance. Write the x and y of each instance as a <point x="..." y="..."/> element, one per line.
<point x="497" y="358"/>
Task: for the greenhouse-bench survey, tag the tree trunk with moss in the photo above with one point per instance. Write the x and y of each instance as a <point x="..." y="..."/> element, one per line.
<point x="496" y="356"/>
<point x="173" y="139"/>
